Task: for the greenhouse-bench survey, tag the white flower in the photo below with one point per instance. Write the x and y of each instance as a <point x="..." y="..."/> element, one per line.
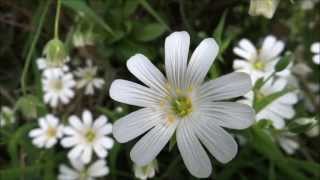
<point x="87" y="136"/>
<point x="266" y="8"/>
<point x="314" y="130"/>
<point x="45" y="66"/>
<point x="280" y="108"/>
<point x="182" y="103"/>
<point x="47" y="135"/>
<point x="57" y="88"/>
<point x="259" y="62"/>
<point x="315" y="48"/>
<point x="6" y="116"/>
<point x="88" y="78"/>
<point x="308" y="4"/>
<point x="81" y="172"/>
<point x="147" y="171"/>
<point x="81" y="39"/>
<point x="288" y="142"/>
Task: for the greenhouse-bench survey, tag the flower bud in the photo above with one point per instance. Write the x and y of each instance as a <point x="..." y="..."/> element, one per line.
<point x="55" y="53"/>
<point x="265" y="8"/>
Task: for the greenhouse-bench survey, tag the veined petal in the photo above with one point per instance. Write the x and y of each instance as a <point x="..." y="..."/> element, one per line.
<point x="228" y="114"/>
<point x="150" y="145"/>
<point x="219" y="143"/>
<point x="225" y="87"/>
<point x="145" y="71"/>
<point x="201" y="61"/>
<point x="135" y="124"/>
<point x="194" y="156"/>
<point x="134" y="94"/>
<point x="176" y="57"/>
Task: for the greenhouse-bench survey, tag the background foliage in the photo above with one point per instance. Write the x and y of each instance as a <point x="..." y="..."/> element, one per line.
<point x="121" y="29"/>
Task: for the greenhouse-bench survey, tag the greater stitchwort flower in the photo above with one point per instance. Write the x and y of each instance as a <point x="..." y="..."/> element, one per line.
<point x="87" y="78"/>
<point x="47" y="135"/>
<point x="184" y="104"/>
<point x="79" y="171"/>
<point x="259" y="62"/>
<point x="87" y="136"/>
<point x="57" y="88"/>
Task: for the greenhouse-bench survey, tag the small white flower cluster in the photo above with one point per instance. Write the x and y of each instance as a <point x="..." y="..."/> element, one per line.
<point x="58" y="83"/>
<point x="85" y="135"/>
<point x="261" y="63"/>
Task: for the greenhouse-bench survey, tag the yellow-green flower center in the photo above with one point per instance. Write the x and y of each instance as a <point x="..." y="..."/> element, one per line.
<point x="259" y="65"/>
<point x="51" y="132"/>
<point x="90" y="135"/>
<point x="182" y="106"/>
<point x="56" y="85"/>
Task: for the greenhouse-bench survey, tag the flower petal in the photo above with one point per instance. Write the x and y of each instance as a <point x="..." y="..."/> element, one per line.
<point x="150" y="145"/>
<point x="176" y="57"/>
<point x="134" y="94"/>
<point x="135" y="124"/>
<point x="218" y="142"/>
<point x="98" y="169"/>
<point x="194" y="156"/>
<point x="225" y="87"/>
<point x="201" y="61"/>
<point x="145" y="71"/>
<point x="228" y="114"/>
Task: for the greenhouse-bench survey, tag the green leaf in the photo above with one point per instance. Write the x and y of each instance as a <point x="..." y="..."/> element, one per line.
<point x="264" y="144"/>
<point x="149" y="32"/>
<point x="148" y="8"/>
<point x="129" y="7"/>
<point x="262" y="102"/>
<point x="218" y="32"/>
<point x="81" y="6"/>
<point x="284" y="62"/>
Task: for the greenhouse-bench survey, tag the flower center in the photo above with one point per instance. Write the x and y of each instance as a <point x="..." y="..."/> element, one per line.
<point x="83" y="175"/>
<point x="56" y="85"/>
<point x="181" y="106"/>
<point x="51" y="132"/>
<point x="259" y="65"/>
<point x="90" y="135"/>
<point x="88" y="75"/>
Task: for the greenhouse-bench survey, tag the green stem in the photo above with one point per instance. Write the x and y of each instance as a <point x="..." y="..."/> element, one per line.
<point x="32" y="47"/>
<point x="57" y="18"/>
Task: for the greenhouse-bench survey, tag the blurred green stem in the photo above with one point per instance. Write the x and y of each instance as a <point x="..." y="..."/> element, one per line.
<point x="57" y="18"/>
<point x="23" y="79"/>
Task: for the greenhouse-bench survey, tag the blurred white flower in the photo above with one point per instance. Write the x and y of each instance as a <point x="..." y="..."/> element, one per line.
<point x="57" y="88"/>
<point x="147" y="171"/>
<point x="182" y="103"/>
<point x="288" y="142"/>
<point x="80" y="39"/>
<point x="259" y="62"/>
<point x="308" y="4"/>
<point x="87" y="78"/>
<point x="280" y="108"/>
<point x="314" y="130"/>
<point x="46" y="136"/>
<point x="79" y="171"/>
<point x="45" y="66"/>
<point x="6" y="116"/>
<point x="87" y="136"/>
<point x="315" y="48"/>
<point x="266" y="8"/>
